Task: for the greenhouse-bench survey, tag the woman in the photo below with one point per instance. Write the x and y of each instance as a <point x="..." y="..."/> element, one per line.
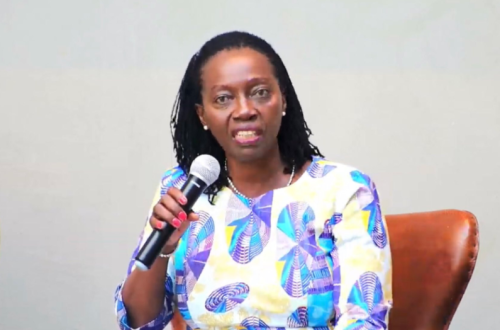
<point x="283" y="238"/>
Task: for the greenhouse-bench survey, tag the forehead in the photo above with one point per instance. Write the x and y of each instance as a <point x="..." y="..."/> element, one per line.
<point x="235" y="66"/>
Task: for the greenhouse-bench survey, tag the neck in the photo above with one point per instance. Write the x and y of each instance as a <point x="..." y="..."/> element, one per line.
<point x="257" y="177"/>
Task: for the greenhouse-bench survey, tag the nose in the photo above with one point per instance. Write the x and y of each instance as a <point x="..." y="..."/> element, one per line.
<point x="245" y="110"/>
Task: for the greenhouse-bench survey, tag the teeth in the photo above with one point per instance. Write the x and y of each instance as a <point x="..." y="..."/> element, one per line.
<point x="246" y="133"/>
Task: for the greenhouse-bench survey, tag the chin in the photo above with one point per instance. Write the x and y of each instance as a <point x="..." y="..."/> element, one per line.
<point x="248" y="155"/>
<point x="252" y="153"/>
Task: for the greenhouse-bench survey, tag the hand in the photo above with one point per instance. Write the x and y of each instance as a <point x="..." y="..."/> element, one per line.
<point x="168" y="210"/>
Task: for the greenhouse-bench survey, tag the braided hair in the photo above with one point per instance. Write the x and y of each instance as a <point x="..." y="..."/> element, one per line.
<point x="191" y="140"/>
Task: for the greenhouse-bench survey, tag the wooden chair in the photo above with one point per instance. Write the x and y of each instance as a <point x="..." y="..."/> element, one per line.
<point x="434" y="255"/>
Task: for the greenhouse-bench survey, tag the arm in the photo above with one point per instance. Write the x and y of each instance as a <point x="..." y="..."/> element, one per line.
<point x="144" y="299"/>
<point x="364" y="254"/>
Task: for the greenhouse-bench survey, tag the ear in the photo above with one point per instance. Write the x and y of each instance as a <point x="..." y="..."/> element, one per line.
<point x="200" y="111"/>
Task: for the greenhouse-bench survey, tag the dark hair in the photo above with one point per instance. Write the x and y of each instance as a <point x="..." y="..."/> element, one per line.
<point x="191" y="140"/>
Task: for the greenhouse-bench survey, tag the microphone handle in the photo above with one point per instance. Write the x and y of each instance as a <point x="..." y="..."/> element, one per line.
<point x="192" y="189"/>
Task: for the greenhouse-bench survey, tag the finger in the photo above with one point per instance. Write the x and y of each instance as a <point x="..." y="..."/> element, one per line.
<point x="156" y="223"/>
<point x="193" y="216"/>
<point x="163" y="216"/>
<point x="177" y="234"/>
<point x="177" y="195"/>
<point x="174" y="208"/>
<point x="161" y="224"/>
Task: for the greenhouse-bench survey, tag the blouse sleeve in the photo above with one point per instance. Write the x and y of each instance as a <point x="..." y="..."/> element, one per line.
<point x="170" y="178"/>
<point x="364" y="254"/>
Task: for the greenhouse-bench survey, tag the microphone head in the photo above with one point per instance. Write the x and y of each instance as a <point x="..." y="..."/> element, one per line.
<point x="205" y="167"/>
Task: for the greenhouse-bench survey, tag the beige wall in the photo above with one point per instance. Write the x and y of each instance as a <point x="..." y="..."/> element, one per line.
<point x="408" y="91"/>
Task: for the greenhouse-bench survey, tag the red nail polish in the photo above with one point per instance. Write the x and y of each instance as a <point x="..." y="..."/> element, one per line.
<point x="182" y="216"/>
<point x="176" y="223"/>
<point x="160" y="225"/>
<point x="183" y="200"/>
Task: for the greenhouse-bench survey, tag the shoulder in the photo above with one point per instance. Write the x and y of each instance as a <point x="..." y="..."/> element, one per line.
<point x="331" y="170"/>
<point x="347" y="180"/>
<point x="172" y="177"/>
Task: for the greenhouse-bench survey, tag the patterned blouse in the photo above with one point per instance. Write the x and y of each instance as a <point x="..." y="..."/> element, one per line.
<point x="314" y="255"/>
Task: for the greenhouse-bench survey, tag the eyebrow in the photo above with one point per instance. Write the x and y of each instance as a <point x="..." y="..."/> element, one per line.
<point x="250" y="81"/>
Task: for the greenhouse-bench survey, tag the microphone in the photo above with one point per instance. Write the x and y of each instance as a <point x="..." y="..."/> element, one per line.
<point x="204" y="170"/>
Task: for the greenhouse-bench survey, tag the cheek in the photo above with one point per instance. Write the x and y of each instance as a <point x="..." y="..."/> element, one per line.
<point x="275" y="115"/>
<point x="278" y="123"/>
<point x="216" y="122"/>
<point x="213" y="117"/>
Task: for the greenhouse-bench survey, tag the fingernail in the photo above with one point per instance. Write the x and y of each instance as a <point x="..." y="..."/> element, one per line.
<point x="182" y="216"/>
<point x="183" y="200"/>
<point x="176" y="222"/>
<point x="160" y="225"/>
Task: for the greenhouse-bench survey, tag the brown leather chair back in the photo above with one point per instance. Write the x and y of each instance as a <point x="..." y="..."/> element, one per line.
<point x="433" y="256"/>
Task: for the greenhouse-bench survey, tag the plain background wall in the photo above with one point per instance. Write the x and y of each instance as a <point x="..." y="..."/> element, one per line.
<point x="407" y="91"/>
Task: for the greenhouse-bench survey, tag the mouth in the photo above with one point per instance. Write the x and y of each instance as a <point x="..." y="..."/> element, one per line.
<point x="247" y="137"/>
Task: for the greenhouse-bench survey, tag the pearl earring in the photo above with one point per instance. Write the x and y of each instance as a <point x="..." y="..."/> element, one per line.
<point x="205" y="128"/>
<point x="284" y="113"/>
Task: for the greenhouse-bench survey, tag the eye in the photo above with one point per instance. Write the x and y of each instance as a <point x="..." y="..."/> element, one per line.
<point x="222" y="99"/>
<point x="261" y="92"/>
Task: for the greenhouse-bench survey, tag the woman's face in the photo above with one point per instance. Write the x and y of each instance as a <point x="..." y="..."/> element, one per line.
<point x="242" y="103"/>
